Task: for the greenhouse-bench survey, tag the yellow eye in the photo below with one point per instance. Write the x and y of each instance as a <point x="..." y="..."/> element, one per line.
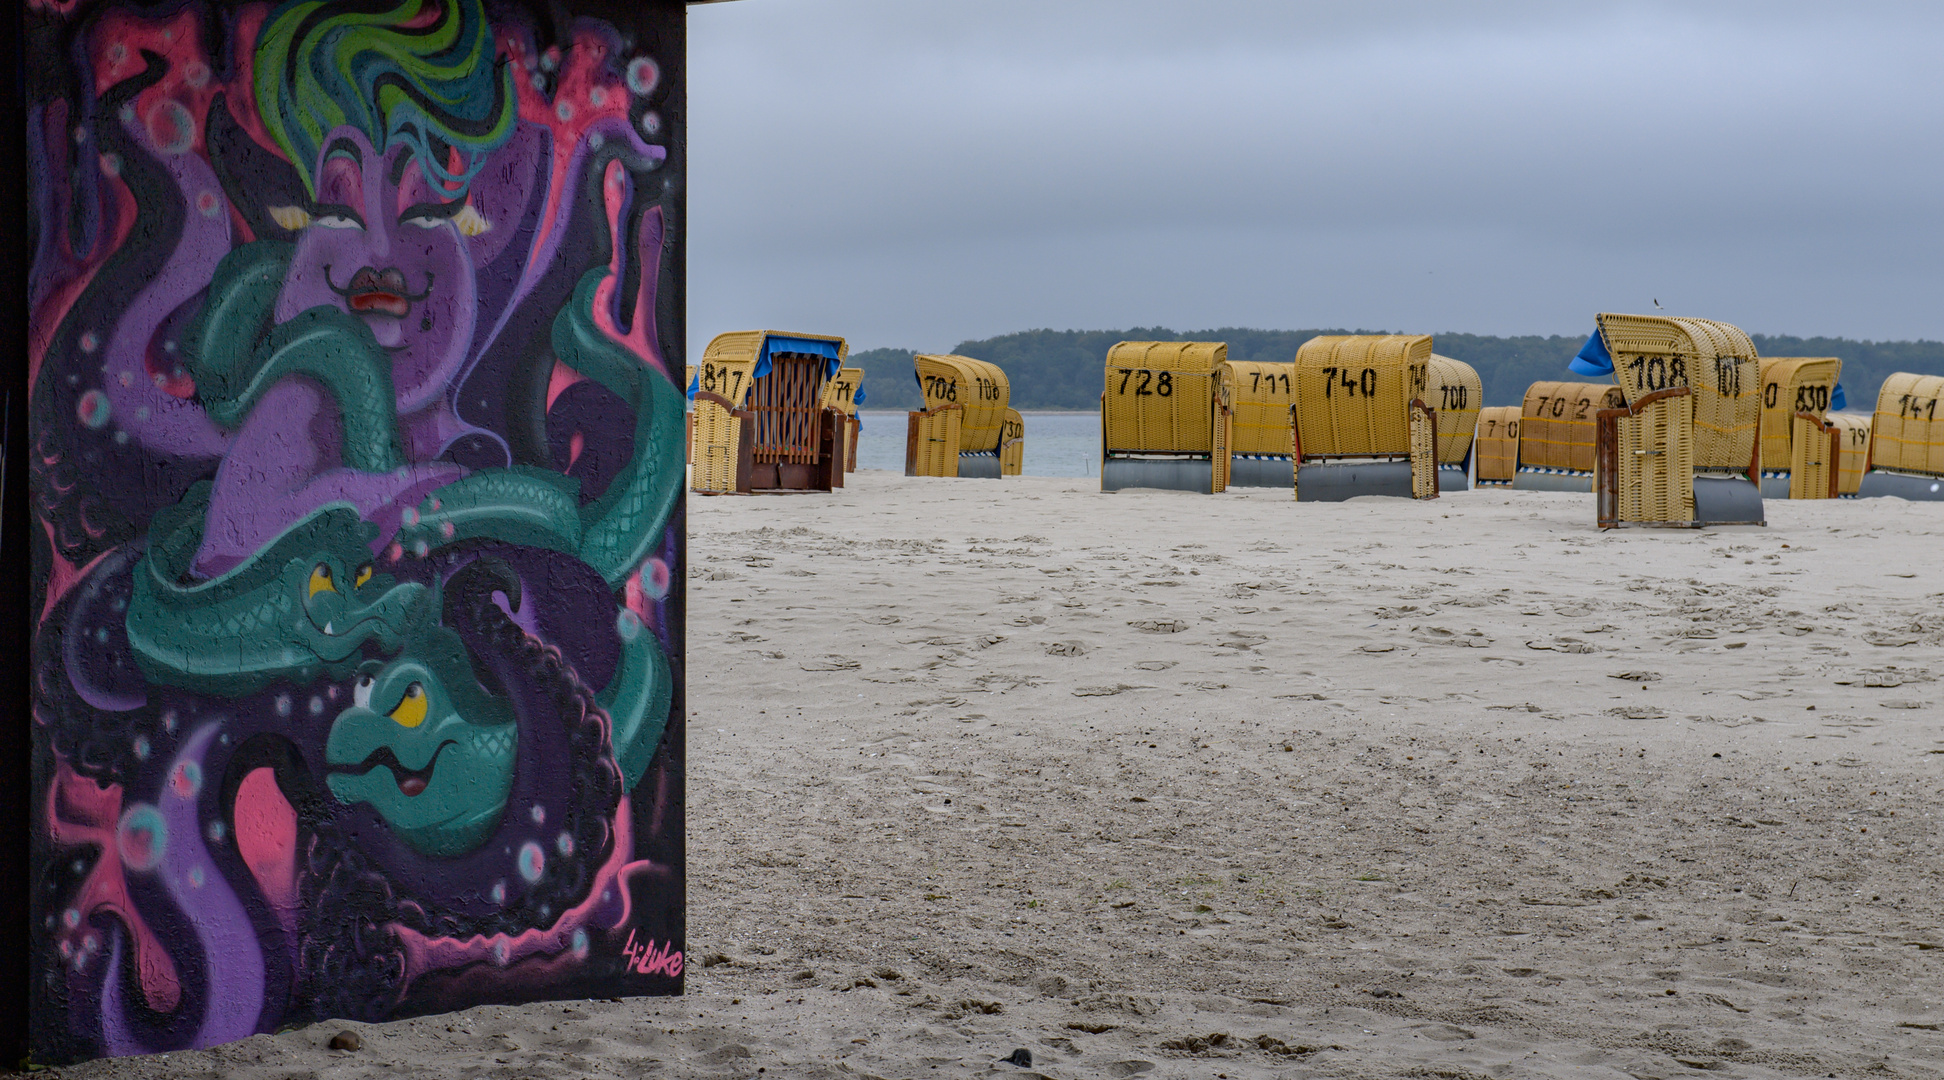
<point x="364" y="575"/>
<point x="411" y="711"/>
<point x="320" y="580"/>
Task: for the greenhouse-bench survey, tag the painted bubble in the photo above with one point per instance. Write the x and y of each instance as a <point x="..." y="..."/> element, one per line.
<point x="627" y="625"/>
<point x="499" y="892"/>
<point x="186" y="779"/>
<point x="643" y="76"/>
<point x="539" y="814"/>
<point x="580" y="943"/>
<point x="651" y="123"/>
<point x="142" y="837"/>
<point x="564" y="844"/>
<point x="93" y="409"/>
<point x="657" y="578"/>
<point x="170" y="127"/>
<point x="533" y="862"/>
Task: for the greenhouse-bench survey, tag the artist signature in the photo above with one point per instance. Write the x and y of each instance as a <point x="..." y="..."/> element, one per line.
<point x="650" y="958"/>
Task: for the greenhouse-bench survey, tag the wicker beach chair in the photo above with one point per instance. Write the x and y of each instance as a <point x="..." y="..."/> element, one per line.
<point x="1792" y="387"/>
<point x="1158" y="412"/>
<point x="841" y="394"/>
<point x="1852" y="451"/>
<point x="1360" y="425"/>
<point x="1252" y="403"/>
<point x="970" y="442"/>
<point x="1906" y="439"/>
<point x="1453" y="388"/>
<point x="1685" y="451"/>
<point x="1557" y="434"/>
<point x="1012" y="444"/>
<point x="1497" y="446"/>
<point x="760" y="420"/>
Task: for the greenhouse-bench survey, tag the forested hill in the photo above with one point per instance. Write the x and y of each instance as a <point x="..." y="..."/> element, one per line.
<point x="1062" y="369"/>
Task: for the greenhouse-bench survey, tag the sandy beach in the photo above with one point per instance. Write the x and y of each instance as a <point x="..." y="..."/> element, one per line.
<point x="1163" y="785"/>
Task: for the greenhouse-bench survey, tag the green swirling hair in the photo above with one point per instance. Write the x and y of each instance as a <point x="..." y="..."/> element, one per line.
<point x="420" y="73"/>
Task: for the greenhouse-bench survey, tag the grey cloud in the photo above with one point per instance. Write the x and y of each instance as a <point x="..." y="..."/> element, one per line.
<point x="919" y="171"/>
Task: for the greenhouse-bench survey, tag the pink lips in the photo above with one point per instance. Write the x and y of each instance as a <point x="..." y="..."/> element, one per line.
<point x="381" y="291"/>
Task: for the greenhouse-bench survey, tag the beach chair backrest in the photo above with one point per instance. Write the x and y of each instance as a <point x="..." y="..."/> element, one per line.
<point x="1353" y="393"/>
<point x="1498" y="442"/>
<point x="1852" y="450"/>
<point x="1012" y="444"/>
<point x="1717" y="361"/>
<point x="1454" y="389"/>
<point x="1257" y="396"/>
<point x="1791" y="385"/>
<point x="1159" y="396"/>
<point x="729" y="364"/>
<point x="979" y="389"/>
<point x="1907" y="432"/>
<point x="840" y="392"/>
<point x="1556" y="423"/>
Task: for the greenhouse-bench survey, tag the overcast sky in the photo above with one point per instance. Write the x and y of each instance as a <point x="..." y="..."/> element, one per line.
<point x="918" y="172"/>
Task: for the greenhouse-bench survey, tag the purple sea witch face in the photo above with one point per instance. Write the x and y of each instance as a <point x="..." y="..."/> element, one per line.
<point x="384" y="243"/>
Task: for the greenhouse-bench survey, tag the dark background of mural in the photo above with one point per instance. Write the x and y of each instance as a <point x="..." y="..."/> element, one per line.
<point x="134" y="733"/>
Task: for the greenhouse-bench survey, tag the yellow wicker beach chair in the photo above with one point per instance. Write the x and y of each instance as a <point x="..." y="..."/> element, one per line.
<point x="1455" y="390"/>
<point x="1497" y="445"/>
<point x="1853" y="450"/>
<point x="760" y="419"/>
<point x="978" y="393"/>
<point x="1557" y="434"/>
<point x="1907" y="439"/>
<point x="1792" y="386"/>
<point x="1360" y="422"/>
<point x="1815" y="458"/>
<point x="1012" y="444"/>
<point x="1252" y="426"/>
<point x="841" y="394"/>
<point x="1719" y="447"/>
<point x="1158" y="412"/>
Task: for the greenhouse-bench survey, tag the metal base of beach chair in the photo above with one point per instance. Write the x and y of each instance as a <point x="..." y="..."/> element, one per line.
<point x="1880" y="482"/>
<point x="1529" y="480"/>
<point x="1196" y="474"/>
<point x="1335" y="481"/>
<point x="1453" y="478"/>
<point x="979" y="466"/>
<point x="1728" y="500"/>
<point x="1268" y="472"/>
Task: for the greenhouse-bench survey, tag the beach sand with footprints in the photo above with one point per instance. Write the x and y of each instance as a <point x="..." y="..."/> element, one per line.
<point x="1159" y="785"/>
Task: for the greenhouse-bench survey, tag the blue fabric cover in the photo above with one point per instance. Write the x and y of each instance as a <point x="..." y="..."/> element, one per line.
<point x="1836" y="398"/>
<point x="1593" y="358"/>
<point x="782" y="343"/>
<point x="858" y="397"/>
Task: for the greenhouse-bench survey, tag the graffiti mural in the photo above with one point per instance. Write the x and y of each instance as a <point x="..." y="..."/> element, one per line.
<point x="358" y="527"/>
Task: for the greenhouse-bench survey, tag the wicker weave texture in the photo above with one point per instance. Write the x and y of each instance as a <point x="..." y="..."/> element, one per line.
<point x="1813" y="457"/>
<point x="1655" y="464"/>
<point x="1012" y="444"/>
<point x="1455" y="390"/>
<point x="1422" y="420"/>
<point x="1258" y="396"/>
<point x="935" y="445"/>
<point x="1353" y="393"/>
<point x="717" y="442"/>
<point x="1716" y="360"/>
<point x="1791" y="385"/>
<point x="729" y="364"/>
<point x="1908" y="426"/>
<point x="1852" y="450"/>
<point x="1498" y="442"/>
<point x="1160" y="396"/>
<point x="840" y="392"/>
<point x="978" y="388"/>
<point x="1556" y="423"/>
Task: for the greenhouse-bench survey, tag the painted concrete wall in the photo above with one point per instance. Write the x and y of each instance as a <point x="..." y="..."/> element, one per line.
<point x="357" y="520"/>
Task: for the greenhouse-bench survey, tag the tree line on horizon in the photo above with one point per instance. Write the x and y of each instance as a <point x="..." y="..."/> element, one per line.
<point x="1063" y="369"/>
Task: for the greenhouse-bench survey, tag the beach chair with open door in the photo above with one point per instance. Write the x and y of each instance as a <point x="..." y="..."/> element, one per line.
<point x="760" y="419"/>
<point x="962" y="428"/>
<point x="1685" y="450"/>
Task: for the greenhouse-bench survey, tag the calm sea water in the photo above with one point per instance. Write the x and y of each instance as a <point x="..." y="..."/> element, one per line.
<point x="1057" y="444"/>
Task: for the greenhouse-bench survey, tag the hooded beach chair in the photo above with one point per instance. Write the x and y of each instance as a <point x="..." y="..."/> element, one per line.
<point x="1012" y="444"/>
<point x="760" y="420"/>
<point x="1685" y="450"/>
<point x="961" y="429"/>
<point x="1453" y="388"/>
<point x="1797" y="392"/>
<point x="1497" y="445"/>
<point x="1157" y="417"/>
<point x="845" y="393"/>
<point x="1361" y="425"/>
<point x="1252" y="405"/>
<point x="1906" y="440"/>
<point x="1557" y="434"/>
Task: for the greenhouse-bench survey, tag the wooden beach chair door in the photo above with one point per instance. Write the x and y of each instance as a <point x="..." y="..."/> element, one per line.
<point x="1221" y="432"/>
<point x="1012" y="444"/>
<point x="1424" y="450"/>
<point x="1815" y="450"/>
<point x="932" y="441"/>
<point x="786" y="410"/>
<point x="1645" y="471"/>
